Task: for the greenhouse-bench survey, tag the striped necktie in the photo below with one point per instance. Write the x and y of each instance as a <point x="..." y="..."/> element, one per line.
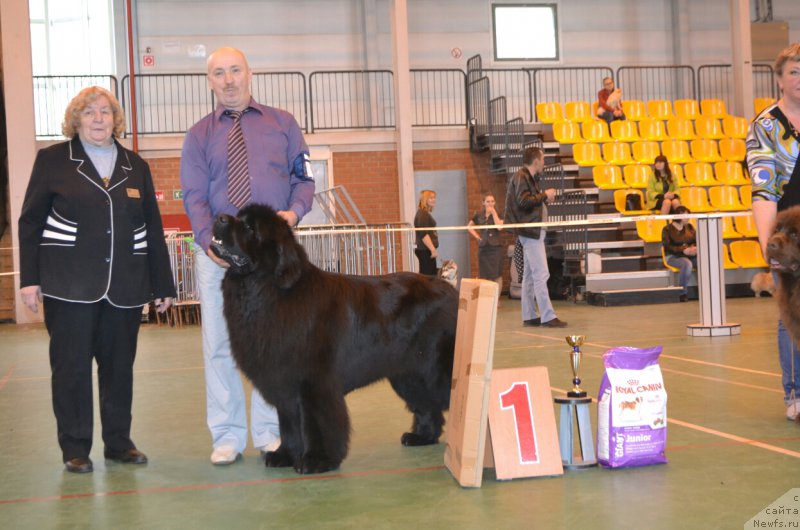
<point x="238" y="176"/>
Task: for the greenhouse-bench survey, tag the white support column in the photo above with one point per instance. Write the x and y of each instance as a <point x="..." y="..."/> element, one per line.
<point x="15" y="27"/>
<point x="742" y="49"/>
<point x="402" y="98"/>
<point x="711" y="282"/>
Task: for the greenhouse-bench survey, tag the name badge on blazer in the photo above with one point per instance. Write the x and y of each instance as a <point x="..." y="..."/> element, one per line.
<point x="133" y="193"/>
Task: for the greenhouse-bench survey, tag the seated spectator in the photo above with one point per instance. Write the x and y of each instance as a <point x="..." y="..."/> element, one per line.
<point x="680" y="248"/>
<point x="609" y="102"/>
<point x="662" y="188"/>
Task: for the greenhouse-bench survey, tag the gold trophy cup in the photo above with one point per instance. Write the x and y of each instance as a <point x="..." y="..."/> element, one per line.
<point x="575" y="355"/>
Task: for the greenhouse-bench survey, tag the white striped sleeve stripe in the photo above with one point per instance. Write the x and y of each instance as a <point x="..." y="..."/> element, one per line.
<point x="56" y="235"/>
<point x="142" y="244"/>
<point x="140" y="235"/>
<point x="51" y="221"/>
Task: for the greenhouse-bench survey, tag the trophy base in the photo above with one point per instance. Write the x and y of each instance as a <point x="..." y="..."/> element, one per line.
<point x="573" y="394"/>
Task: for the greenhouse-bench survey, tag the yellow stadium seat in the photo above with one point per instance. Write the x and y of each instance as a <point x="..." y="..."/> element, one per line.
<point x="653" y="130"/>
<point x="745" y="225"/>
<point x="705" y="150"/>
<point x="567" y="132"/>
<point x="730" y="173"/>
<point x="634" y="110"/>
<point x="696" y="199"/>
<point x="595" y="131"/>
<point x="699" y="174"/>
<point x="725" y="198"/>
<point x="726" y="258"/>
<point x="732" y="149"/>
<point x="760" y="104"/>
<point x="548" y="112"/>
<point x="676" y="151"/>
<point x="619" y="202"/>
<point x="664" y="261"/>
<point x="728" y="230"/>
<point x="709" y="128"/>
<point x="587" y="154"/>
<point x="735" y="126"/>
<point x="649" y="230"/>
<point x="677" y="173"/>
<point x="645" y="152"/>
<point x="659" y="109"/>
<point x="713" y="108"/>
<point x="624" y="131"/>
<point x="636" y="176"/>
<point x="608" y="177"/>
<point x="746" y="194"/>
<point x="747" y="254"/>
<point x="680" y="129"/>
<point x="617" y="153"/>
<point x="577" y="111"/>
<point x="686" y="108"/>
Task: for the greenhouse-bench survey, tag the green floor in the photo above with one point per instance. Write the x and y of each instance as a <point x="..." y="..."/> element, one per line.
<point x="724" y="397"/>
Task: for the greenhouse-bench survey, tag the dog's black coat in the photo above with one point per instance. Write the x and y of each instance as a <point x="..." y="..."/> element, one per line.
<point x="306" y="337"/>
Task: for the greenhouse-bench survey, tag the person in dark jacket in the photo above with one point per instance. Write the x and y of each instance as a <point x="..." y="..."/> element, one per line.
<point x="427" y="240"/>
<point x="92" y="250"/>
<point x="526" y="203"/>
<point x="679" y="240"/>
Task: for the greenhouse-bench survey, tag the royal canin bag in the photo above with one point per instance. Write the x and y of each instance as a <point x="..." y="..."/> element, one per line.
<point x="631" y="409"/>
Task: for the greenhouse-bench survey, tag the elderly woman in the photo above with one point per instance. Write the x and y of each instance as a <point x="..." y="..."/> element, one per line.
<point x="92" y="250"/>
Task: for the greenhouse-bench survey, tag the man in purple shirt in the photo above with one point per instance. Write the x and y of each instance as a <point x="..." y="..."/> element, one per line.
<point x="279" y="176"/>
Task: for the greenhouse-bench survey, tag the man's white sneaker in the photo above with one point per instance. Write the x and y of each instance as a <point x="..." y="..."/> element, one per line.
<point x="224" y="455"/>
<point x="793" y="410"/>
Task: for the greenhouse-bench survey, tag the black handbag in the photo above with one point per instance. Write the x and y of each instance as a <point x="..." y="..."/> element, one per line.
<point x="633" y="201"/>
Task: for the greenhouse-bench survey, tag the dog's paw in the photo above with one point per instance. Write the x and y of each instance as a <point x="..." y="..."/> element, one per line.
<point x="310" y="464"/>
<point x="410" y="439"/>
<point x="278" y="459"/>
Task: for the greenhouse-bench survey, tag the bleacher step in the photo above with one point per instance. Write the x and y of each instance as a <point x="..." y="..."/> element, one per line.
<point x="620" y="281"/>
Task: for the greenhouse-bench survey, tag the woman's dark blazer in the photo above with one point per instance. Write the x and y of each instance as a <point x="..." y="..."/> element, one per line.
<point x="81" y="241"/>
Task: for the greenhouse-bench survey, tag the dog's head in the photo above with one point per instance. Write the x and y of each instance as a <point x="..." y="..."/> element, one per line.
<point x="783" y="247"/>
<point x="258" y="239"/>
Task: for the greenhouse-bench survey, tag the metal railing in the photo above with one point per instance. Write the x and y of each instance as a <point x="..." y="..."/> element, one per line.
<point x="282" y="90"/>
<point x="656" y="82"/>
<point x="351" y="99"/>
<point x="715" y="81"/>
<point x="478" y="113"/>
<point x="52" y="94"/>
<point x="574" y="83"/>
<point x="438" y="98"/>
<point x="167" y="103"/>
<point x="515" y="86"/>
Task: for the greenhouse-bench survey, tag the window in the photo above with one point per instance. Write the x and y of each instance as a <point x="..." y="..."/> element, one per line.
<point x="525" y="32"/>
<point x="71" y="37"/>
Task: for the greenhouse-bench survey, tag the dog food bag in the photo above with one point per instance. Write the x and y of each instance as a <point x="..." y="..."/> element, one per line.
<point x="631" y="409"/>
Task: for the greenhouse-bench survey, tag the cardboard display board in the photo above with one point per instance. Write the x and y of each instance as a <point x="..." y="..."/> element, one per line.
<point x="467" y="422"/>
<point x="523" y="424"/>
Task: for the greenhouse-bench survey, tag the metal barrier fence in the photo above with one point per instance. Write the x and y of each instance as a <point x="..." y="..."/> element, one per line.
<point x="515" y="86"/>
<point x="351" y="99"/>
<point x="438" y="98"/>
<point x="283" y="90"/>
<point x="52" y="94"/>
<point x="181" y="259"/>
<point x="715" y="81"/>
<point x="656" y="82"/>
<point x="357" y="249"/>
<point x="577" y="83"/>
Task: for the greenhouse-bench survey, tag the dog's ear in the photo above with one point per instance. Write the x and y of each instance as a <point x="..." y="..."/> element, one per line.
<point x="289" y="267"/>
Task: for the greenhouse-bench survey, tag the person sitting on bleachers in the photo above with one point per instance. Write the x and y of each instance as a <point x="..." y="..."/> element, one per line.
<point x="679" y="240"/>
<point x="609" y="102"/>
<point x="662" y="188"/>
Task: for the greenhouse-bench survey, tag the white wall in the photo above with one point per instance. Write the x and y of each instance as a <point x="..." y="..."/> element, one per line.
<point x="309" y="35"/>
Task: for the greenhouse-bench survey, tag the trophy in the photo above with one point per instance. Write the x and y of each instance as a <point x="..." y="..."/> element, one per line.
<point x="575" y="355"/>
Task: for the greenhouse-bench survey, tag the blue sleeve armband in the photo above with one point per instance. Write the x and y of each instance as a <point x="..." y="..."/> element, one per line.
<point x="302" y="167"/>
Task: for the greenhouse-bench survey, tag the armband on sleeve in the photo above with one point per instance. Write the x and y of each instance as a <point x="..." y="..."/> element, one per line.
<point x="302" y="167"/>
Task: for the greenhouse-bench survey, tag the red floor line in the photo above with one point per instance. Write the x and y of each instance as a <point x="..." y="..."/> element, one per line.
<point x="192" y="487"/>
<point x="7" y="377"/>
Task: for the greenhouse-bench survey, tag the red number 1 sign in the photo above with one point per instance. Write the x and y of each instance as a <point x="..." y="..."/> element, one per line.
<point x="522" y="424"/>
<point x="518" y="399"/>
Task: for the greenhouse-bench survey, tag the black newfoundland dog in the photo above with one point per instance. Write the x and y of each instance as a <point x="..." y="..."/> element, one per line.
<point x="306" y="337"/>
